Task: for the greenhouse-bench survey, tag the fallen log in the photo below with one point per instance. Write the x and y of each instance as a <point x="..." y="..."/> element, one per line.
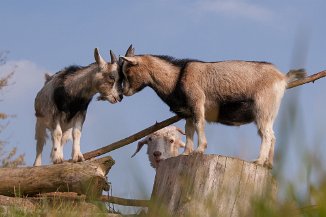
<point x="209" y="185"/>
<point x="88" y="177"/>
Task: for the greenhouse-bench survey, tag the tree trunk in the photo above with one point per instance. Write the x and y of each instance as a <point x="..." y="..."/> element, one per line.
<point x="88" y="177"/>
<point x="209" y="185"/>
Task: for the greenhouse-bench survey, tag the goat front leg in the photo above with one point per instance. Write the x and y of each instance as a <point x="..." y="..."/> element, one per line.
<point x="76" y="134"/>
<point x="200" y="129"/>
<point x="57" y="153"/>
<point x="190" y="130"/>
<point x="197" y="103"/>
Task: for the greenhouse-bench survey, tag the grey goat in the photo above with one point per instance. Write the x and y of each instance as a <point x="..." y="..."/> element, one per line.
<point x="61" y="104"/>
<point x="229" y="92"/>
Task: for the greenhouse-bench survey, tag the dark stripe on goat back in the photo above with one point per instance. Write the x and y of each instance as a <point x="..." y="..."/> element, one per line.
<point x="259" y="62"/>
<point x="174" y="61"/>
<point x="68" y="71"/>
<point x="69" y="104"/>
<point x="177" y="100"/>
<point x="183" y="62"/>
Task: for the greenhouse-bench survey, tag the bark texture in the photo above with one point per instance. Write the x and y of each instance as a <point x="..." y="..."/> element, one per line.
<point x="209" y="185"/>
<point x="87" y="178"/>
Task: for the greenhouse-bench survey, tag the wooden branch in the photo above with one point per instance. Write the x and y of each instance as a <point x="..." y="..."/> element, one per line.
<point x="132" y="138"/>
<point x="125" y="202"/>
<point x="87" y="178"/>
<point x="311" y="78"/>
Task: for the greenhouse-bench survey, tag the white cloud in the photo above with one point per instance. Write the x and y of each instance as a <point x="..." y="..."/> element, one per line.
<point x="240" y="8"/>
<point x="27" y="79"/>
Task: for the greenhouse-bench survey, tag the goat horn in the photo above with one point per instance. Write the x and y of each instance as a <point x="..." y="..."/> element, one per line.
<point x="113" y="57"/>
<point x="130" y="52"/>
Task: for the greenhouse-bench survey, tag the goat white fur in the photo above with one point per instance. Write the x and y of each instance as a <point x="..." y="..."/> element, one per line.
<point x="162" y="144"/>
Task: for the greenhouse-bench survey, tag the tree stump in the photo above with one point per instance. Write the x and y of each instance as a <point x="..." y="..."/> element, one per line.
<point x="88" y="177"/>
<point x="209" y="185"/>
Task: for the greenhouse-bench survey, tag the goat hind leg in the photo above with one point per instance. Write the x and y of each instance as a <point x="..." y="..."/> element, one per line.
<point x="269" y="164"/>
<point x="267" y="146"/>
<point x="40" y="136"/>
<point x="267" y="113"/>
<point x="57" y="154"/>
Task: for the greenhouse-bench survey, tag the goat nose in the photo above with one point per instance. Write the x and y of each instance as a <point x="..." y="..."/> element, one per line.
<point x="121" y="97"/>
<point x="157" y="153"/>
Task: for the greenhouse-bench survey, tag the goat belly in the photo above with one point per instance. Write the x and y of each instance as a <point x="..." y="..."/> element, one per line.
<point x="237" y="113"/>
<point x="69" y="104"/>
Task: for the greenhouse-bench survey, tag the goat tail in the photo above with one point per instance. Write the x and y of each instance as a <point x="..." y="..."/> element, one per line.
<point x="295" y="74"/>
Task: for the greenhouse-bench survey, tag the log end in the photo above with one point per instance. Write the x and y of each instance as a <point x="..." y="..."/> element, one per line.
<point x="204" y="184"/>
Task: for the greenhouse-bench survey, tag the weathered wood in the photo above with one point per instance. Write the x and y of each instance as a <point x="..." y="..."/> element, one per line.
<point x="87" y="178"/>
<point x="123" y="142"/>
<point x="21" y="203"/>
<point x="209" y="185"/>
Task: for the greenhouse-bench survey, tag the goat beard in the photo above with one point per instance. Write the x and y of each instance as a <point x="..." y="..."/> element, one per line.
<point x="111" y="99"/>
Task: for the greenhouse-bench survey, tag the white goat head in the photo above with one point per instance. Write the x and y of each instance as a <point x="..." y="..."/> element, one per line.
<point x="162" y="144"/>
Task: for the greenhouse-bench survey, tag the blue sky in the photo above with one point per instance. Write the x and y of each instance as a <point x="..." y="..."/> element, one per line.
<point x="46" y="36"/>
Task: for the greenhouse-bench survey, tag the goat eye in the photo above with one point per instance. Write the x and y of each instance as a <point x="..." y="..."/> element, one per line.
<point x="150" y="138"/>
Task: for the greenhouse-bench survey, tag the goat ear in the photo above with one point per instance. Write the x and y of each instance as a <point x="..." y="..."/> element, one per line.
<point x="139" y="146"/>
<point x="130" y="52"/>
<point x="113" y="57"/>
<point x="180" y="130"/>
<point x="131" y="60"/>
<point x="99" y="60"/>
<point x="181" y="144"/>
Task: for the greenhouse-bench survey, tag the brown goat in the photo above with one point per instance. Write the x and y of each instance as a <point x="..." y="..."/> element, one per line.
<point x="228" y="92"/>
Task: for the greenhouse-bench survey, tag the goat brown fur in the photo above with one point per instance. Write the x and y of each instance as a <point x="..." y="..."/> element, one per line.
<point x="229" y="92"/>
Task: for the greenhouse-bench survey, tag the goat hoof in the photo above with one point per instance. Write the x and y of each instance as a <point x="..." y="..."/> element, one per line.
<point x="199" y="151"/>
<point x="78" y="158"/>
<point x="57" y="161"/>
<point x="258" y="162"/>
<point x="263" y="163"/>
<point x="187" y="152"/>
<point x="268" y="165"/>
